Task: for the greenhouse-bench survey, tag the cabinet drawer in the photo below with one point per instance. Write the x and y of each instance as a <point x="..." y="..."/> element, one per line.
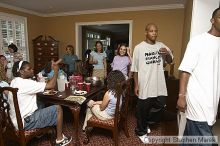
<point x="45" y="44"/>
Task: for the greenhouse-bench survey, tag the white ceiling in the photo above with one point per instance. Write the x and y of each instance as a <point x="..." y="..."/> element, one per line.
<point x="74" y="7"/>
<point x="52" y="7"/>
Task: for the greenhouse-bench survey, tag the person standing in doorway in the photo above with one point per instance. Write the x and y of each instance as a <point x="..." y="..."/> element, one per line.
<point x="199" y="91"/>
<point x="149" y="79"/>
<point x="122" y="61"/>
<point x="98" y="60"/>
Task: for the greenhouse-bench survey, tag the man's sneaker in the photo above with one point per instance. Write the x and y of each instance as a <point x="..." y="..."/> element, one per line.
<point x="64" y="142"/>
<point x="144" y="139"/>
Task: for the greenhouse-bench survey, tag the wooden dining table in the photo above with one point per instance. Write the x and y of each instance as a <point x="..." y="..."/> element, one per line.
<point x="59" y="99"/>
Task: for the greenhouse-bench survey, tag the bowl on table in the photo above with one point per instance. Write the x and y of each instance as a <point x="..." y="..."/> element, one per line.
<point x="95" y="81"/>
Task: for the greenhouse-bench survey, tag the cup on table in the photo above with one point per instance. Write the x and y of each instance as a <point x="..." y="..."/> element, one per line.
<point x="88" y="86"/>
<point x="67" y="86"/>
<point x="80" y="85"/>
<point x="73" y="88"/>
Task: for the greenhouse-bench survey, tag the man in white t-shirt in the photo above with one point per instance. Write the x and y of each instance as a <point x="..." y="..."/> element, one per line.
<point x="149" y="81"/>
<point x="32" y="117"/>
<point x="199" y="91"/>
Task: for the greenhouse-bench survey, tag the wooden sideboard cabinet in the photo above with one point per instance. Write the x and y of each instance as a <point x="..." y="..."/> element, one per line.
<point x="45" y="49"/>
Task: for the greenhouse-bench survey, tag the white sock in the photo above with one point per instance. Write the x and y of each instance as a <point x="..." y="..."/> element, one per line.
<point x="58" y="141"/>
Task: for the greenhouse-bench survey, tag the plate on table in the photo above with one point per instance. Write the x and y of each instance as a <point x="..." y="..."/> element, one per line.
<point x="79" y="99"/>
<point x="79" y="92"/>
<point x="50" y="92"/>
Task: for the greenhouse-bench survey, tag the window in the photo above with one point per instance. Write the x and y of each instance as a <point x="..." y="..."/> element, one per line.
<point x="13" y="29"/>
<point x="91" y="38"/>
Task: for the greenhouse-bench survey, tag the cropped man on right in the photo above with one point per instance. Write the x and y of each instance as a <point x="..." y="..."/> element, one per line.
<point x="199" y="91"/>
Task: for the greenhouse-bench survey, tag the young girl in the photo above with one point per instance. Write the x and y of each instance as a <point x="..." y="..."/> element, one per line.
<point x="122" y="61"/>
<point x="48" y="71"/>
<point x="70" y="58"/>
<point x="105" y="109"/>
<point x="98" y="60"/>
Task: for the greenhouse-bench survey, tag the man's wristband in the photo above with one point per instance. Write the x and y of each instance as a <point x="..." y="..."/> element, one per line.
<point x="183" y="95"/>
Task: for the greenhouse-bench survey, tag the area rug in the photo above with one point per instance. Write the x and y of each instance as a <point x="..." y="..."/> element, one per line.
<point x="100" y="137"/>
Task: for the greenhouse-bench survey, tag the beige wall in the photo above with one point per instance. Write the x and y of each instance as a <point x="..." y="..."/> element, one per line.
<point x="187" y="25"/>
<point x="170" y="24"/>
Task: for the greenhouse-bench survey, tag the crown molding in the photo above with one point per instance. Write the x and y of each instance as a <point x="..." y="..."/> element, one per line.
<point x="21" y="9"/>
<point x="124" y="9"/>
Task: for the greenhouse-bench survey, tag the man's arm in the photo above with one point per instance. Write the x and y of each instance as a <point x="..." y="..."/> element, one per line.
<point x="52" y="82"/>
<point x="166" y="55"/>
<point x="136" y="88"/>
<point x="168" y="58"/>
<point x="181" y="103"/>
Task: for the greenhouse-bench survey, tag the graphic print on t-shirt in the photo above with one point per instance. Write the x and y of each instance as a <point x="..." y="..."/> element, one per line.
<point x="152" y="57"/>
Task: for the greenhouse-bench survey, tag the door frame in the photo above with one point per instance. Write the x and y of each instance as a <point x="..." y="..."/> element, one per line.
<point x="78" y="32"/>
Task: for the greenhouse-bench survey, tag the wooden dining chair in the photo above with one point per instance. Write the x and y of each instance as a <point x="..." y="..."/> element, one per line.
<point x="1" y="137"/>
<point x="120" y="118"/>
<point x="20" y="135"/>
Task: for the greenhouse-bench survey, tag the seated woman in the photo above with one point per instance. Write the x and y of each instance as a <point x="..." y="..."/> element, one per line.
<point x="98" y="60"/>
<point x="3" y="69"/>
<point x="105" y="109"/>
<point x="48" y="72"/>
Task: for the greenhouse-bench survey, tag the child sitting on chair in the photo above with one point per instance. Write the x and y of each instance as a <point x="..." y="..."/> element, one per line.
<point x="48" y="71"/>
<point x="105" y="109"/>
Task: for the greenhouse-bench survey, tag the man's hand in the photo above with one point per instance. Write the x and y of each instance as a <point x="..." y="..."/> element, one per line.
<point x="136" y="90"/>
<point x="163" y="51"/>
<point x="181" y="103"/>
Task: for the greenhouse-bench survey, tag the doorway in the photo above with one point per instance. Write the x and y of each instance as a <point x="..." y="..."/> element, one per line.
<point x="99" y="25"/>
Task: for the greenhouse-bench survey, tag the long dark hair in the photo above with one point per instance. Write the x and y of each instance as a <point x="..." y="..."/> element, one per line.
<point x="98" y="42"/>
<point x="113" y="80"/>
<point x="13" y="47"/>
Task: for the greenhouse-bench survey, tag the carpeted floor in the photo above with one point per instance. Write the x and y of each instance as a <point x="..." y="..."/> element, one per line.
<point x="100" y="137"/>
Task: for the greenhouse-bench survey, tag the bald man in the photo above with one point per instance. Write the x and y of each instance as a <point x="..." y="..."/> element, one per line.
<point x="149" y="80"/>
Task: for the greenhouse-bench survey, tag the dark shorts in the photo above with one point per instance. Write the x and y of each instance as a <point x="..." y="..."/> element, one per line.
<point x="41" y="118"/>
